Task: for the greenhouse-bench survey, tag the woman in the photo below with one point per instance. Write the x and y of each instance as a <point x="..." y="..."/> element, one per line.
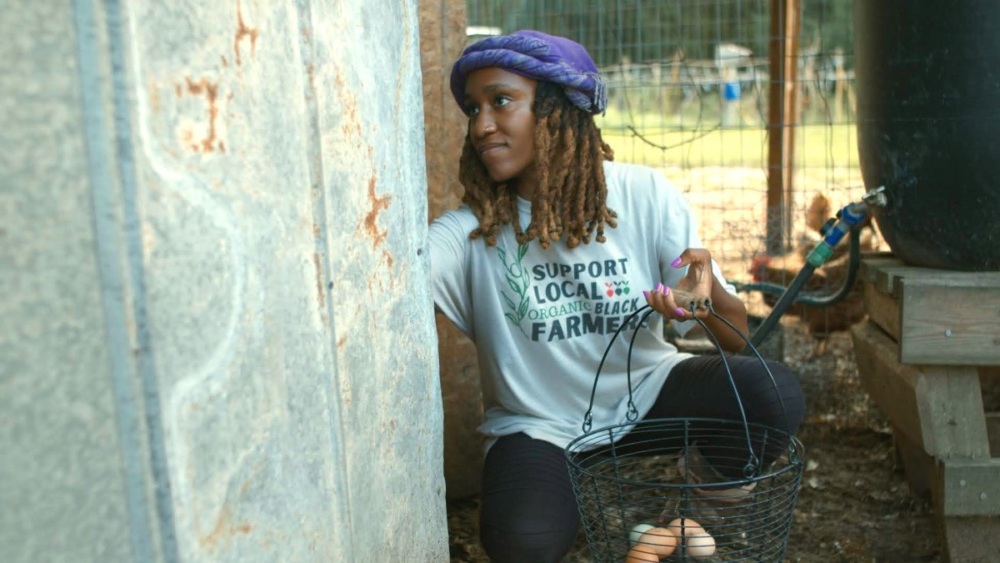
<point x="552" y="250"/>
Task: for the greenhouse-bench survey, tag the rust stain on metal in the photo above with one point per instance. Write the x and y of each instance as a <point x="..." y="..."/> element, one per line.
<point x="224" y="531"/>
<point x="350" y="125"/>
<point x="211" y="93"/>
<point x="381" y="277"/>
<point x="154" y="97"/>
<point x="243" y="31"/>
<point x="378" y="205"/>
<point x="187" y="139"/>
<point x="319" y="280"/>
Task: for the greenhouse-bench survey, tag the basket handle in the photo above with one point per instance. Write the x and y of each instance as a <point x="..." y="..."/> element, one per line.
<point x="690" y="301"/>
<point x="693" y="303"/>
<point x="792" y="448"/>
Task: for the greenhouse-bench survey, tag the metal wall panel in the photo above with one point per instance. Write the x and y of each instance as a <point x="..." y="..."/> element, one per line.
<point x="214" y="253"/>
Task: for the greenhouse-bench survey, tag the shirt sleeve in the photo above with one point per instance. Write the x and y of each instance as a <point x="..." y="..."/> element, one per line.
<point x="449" y="242"/>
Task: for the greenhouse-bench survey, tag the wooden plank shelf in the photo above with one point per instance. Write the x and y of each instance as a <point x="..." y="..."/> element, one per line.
<point x="938" y="317"/>
<point x="930" y="337"/>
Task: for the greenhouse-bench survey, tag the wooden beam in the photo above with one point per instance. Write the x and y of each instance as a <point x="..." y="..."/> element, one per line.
<point x="882" y="310"/>
<point x="950" y="319"/>
<point x="938" y="407"/>
<point x="970" y="487"/>
<point x="938" y="317"/>
<point x="970" y="538"/>
<point x="891" y="390"/>
<point x="782" y="100"/>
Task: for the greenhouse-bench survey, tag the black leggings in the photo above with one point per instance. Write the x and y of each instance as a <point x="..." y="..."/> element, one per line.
<point x="528" y="512"/>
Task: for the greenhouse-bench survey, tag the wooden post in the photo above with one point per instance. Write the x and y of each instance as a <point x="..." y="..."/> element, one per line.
<point x="442" y="38"/>
<point x="785" y="25"/>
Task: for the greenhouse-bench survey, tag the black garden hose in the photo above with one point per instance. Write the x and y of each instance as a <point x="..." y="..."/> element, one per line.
<point x="790" y="295"/>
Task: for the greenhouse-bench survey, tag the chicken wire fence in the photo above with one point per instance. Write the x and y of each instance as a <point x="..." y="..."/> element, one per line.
<point x="746" y="105"/>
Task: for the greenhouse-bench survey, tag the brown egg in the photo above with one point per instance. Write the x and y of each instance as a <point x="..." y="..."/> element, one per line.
<point x="662" y="541"/>
<point x="697" y="542"/>
<point x="683" y="526"/>
<point x="642" y="554"/>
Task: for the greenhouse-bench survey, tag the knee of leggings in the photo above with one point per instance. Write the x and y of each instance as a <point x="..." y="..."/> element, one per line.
<point x="792" y="397"/>
<point x="526" y="545"/>
<point x="780" y="402"/>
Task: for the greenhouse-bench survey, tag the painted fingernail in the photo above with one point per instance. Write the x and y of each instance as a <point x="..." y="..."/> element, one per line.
<point x="646" y="294"/>
<point x="680" y="312"/>
<point x="659" y="287"/>
<point x="665" y="290"/>
<point x="676" y="262"/>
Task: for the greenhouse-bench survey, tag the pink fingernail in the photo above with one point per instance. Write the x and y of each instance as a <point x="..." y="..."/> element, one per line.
<point x="665" y="290"/>
<point x="646" y="294"/>
<point x="680" y="312"/>
<point x="659" y="287"/>
<point x="676" y="262"/>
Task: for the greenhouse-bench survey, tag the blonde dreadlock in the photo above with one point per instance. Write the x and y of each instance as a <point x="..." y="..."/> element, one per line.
<point x="570" y="196"/>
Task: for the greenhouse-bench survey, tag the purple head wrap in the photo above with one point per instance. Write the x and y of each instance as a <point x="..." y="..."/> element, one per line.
<point x="538" y="56"/>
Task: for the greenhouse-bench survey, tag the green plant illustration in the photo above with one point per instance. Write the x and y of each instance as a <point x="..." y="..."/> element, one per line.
<point x="519" y="282"/>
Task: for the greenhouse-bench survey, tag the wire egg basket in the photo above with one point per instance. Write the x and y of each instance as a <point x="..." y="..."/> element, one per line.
<point x="645" y="493"/>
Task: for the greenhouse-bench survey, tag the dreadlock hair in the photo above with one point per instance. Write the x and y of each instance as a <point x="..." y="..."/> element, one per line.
<point x="571" y="191"/>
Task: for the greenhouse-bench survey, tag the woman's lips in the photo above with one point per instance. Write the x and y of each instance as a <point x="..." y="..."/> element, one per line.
<point x="489" y="147"/>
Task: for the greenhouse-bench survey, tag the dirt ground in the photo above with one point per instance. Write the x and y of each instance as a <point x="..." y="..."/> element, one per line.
<point x="854" y="504"/>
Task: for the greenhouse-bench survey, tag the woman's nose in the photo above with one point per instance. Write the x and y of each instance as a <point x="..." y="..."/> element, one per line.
<point x="483" y="125"/>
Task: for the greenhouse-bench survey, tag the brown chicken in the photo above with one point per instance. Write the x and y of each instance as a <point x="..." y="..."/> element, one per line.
<point x="826" y="280"/>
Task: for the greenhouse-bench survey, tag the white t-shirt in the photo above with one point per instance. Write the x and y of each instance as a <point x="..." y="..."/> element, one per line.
<point x="542" y="319"/>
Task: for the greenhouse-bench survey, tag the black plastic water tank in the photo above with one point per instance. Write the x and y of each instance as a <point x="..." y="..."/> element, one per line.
<point x="928" y="122"/>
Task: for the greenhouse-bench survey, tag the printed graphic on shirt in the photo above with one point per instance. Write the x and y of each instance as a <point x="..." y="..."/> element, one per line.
<point x="519" y="283"/>
<point x="557" y="301"/>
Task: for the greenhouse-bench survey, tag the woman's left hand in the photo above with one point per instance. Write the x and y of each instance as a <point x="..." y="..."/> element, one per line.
<point x="731" y="327"/>
<point x="699" y="281"/>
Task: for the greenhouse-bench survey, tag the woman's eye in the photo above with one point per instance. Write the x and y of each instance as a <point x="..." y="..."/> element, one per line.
<point x="501" y="101"/>
<point x="471" y="110"/>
